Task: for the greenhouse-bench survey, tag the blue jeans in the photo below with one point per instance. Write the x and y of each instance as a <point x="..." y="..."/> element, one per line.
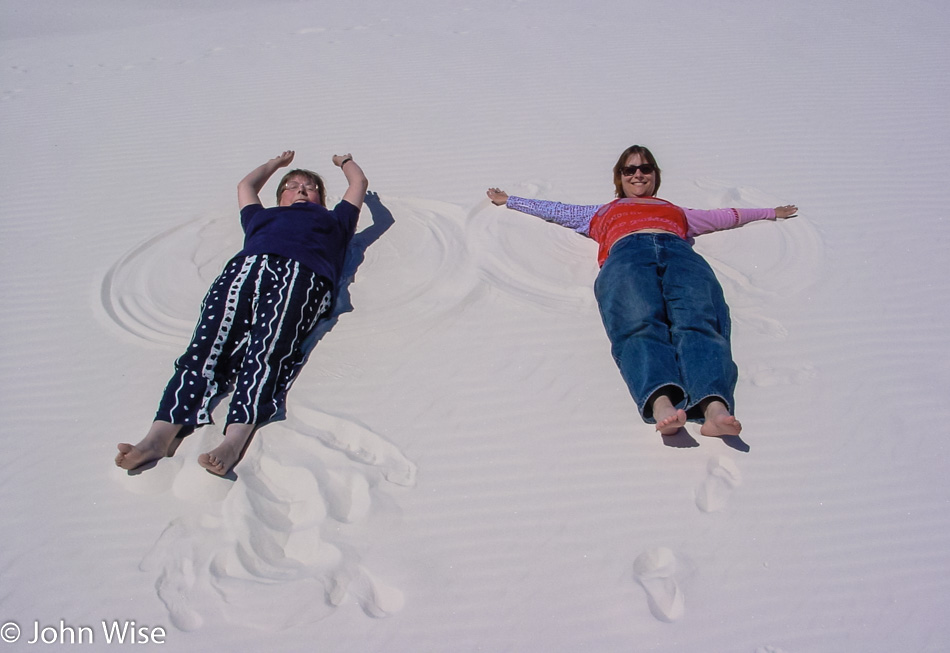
<point x="667" y="322"/>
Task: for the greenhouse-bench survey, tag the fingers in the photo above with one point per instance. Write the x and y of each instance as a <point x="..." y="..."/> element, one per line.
<point x="338" y="159"/>
<point x="786" y="211"/>
<point x="497" y="196"/>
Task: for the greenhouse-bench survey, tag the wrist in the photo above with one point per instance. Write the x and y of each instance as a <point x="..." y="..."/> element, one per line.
<point x="345" y="161"/>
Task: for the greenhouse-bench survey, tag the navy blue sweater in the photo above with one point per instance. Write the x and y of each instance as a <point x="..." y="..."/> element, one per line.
<point x="306" y="232"/>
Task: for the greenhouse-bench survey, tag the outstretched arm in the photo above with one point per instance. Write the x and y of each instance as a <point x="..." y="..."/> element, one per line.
<point x="707" y="221"/>
<point x="356" y="180"/>
<point x="250" y="187"/>
<point x="573" y="216"/>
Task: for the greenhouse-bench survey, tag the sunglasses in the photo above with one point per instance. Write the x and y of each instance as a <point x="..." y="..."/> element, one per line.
<point x="646" y="168"/>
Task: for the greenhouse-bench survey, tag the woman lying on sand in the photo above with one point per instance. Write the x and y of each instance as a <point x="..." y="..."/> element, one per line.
<point x="258" y="312"/>
<point x="660" y="302"/>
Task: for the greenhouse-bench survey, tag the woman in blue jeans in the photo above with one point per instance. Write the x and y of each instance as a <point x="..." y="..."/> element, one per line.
<point x="662" y="306"/>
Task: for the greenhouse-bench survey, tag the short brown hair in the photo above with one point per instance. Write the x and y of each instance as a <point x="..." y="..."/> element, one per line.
<point x="646" y="155"/>
<point x="306" y="174"/>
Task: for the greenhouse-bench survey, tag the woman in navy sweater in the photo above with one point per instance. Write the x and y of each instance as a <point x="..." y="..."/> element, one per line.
<point x="258" y="312"/>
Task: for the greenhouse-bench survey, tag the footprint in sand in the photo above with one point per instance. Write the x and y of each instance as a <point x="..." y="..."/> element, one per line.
<point x="277" y="552"/>
<point x="765" y="377"/>
<point x="656" y="570"/>
<point x="722" y="478"/>
<point x="179" y="555"/>
<point x="376" y="598"/>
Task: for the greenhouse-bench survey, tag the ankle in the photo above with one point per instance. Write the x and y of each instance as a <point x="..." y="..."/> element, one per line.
<point x="715" y="407"/>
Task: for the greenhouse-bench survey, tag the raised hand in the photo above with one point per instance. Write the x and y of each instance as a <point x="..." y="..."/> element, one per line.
<point x="283" y="160"/>
<point x="338" y="159"/>
<point x="250" y="187"/>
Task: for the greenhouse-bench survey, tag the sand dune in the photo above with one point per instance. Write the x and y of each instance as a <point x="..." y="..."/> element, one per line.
<point x="461" y="467"/>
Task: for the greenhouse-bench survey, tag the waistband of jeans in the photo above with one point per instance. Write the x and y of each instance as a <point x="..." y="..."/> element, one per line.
<point x="662" y="234"/>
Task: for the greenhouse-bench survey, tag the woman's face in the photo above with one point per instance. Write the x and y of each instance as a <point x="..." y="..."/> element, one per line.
<point x="639" y="184"/>
<point x="299" y="189"/>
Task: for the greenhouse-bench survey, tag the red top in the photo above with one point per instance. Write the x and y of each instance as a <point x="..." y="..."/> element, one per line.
<point x="626" y="215"/>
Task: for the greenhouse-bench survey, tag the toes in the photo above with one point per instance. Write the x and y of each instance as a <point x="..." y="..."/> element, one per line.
<point x="732" y="425"/>
<point x="673" y="421"/>
<point x="212" y="463"/>
<point x="124" y="450"/>
<point x="720" y="426"/>
<point x="123" y="458"/>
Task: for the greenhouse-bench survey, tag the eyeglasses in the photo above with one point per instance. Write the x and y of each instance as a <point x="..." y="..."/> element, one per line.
<point x="297" y="186"/>
<point x="645" y="168"/>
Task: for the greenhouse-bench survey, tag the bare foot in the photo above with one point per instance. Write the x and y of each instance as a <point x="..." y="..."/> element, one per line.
<point x="132" y="456"/>
<point x="153" y="446"/>
<point x="222" y="458"/>
<point x="669" y="419"/>
<point x="219" y="460"/>
<point x="719" y="422"/>
<point x="672" y="424"/>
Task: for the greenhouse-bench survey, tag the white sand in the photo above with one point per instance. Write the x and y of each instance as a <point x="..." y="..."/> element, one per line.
<point x="462" y="468"/>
